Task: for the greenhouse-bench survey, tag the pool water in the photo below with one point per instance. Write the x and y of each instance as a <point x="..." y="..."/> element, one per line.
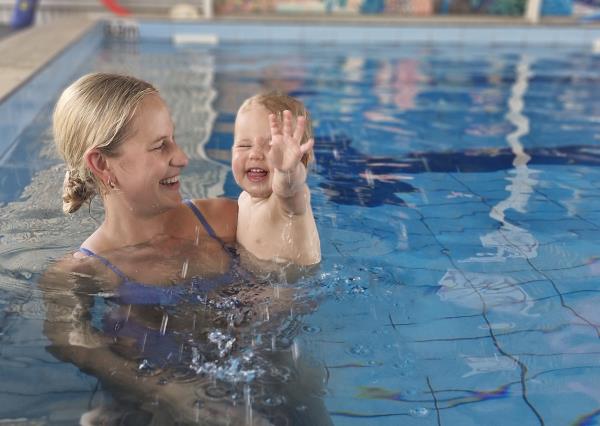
<point x="456" y="195"/>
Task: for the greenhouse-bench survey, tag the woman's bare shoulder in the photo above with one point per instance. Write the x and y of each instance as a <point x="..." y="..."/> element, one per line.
<point x="75" y="263"/>
<point x="64" y="271"/>
<point x="221" y="214"/>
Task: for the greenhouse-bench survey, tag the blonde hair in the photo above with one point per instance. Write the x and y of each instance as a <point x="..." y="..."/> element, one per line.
<point x="276" y="102"/>
<point x="93" y="112"/>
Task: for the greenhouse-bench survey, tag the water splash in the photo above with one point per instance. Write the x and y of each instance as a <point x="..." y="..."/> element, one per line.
<point x="223" y="341"/>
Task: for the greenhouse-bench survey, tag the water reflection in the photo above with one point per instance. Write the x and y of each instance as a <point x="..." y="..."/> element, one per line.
<point x="510" y="240"/>
<point x="384" y="178"/>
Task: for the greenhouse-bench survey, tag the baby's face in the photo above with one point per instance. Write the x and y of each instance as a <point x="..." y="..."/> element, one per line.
<point x="251" y="145"/>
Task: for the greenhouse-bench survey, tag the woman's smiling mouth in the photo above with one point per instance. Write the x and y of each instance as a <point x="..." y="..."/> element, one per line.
<point x="170" y="182"/>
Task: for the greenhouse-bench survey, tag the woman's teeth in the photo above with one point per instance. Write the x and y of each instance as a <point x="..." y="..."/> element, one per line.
<point x="170" y="181"/>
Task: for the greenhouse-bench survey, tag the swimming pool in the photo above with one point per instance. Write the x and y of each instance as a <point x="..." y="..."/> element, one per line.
<point x="455" y="191"/>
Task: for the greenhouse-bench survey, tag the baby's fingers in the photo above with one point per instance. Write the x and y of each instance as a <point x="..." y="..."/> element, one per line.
<point x="299" y="131"/>
<point x="307" y="146"/>
<point x="287" y="123"/>
<point x="274" y="124"/>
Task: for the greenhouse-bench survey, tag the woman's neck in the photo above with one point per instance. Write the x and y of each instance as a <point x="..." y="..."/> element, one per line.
<point x="124" y="226"/>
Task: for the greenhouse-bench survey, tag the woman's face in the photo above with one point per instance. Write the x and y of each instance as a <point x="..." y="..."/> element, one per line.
<point x="149" y="162"/>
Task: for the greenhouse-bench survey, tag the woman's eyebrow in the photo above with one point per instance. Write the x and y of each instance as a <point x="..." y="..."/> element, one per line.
<point x="158" y="139"/>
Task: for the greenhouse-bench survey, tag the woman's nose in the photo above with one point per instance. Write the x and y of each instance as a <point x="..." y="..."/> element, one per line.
<point x="179" y="159"/>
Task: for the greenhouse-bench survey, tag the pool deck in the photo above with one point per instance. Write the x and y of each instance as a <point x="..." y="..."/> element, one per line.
<point x="25" y="52"/>
<point x="5" y="30"/>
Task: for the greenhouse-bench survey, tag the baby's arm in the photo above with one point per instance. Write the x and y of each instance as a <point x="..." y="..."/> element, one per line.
<point x="283" y="227"/>
<point x="289" y="174"/>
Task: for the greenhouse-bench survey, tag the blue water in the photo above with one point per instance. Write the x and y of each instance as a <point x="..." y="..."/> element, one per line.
<point x="456" y="195"/>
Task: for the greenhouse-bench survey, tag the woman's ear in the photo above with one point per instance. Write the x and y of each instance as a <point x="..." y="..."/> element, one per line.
<point x="96" y="161"/>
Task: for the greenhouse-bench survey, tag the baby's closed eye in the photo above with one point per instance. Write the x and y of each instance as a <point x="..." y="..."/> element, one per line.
<point x="242" y="144"/>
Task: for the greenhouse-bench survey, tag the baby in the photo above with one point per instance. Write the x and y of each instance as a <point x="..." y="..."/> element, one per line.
<point x="272" y="147"/>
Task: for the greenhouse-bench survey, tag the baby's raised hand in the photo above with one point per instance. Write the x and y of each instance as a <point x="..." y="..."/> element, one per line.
<point x="286" y="151"/>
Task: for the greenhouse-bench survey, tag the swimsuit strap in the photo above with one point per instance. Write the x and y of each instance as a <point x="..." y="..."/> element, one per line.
<point x="229" y="250"/>
<point x="104" y="261"/>
<point x="202" y="220"/>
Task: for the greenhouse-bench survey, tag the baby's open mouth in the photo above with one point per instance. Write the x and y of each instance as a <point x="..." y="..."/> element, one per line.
<point x="256" y="174"/>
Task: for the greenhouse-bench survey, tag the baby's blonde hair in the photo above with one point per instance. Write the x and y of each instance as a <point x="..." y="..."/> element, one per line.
<point x="276" y="102"/>
<point x="93" y="112"/>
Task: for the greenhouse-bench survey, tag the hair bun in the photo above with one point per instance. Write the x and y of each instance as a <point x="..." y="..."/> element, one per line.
<point x="77" y="191"/>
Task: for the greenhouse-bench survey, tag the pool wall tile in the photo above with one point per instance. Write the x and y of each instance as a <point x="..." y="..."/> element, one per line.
<point x="319" y="33"/>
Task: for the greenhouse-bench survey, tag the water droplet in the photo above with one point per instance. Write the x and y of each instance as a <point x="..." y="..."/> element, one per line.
<point x="295" y="350"/>
<point x="146" y="368"/>
<point x="311" y="329"/>
<point x="418" y="412"/>
<point x="360" y="350"/>
<point x="184" y="268"/>
<point x="248" y="403"/>
<point x="357" y="289"/>
<point x="26" y="274"/>
<point x="197" y="239"/>
<point x="273" y="400"/>
<point x="163" y="325"/>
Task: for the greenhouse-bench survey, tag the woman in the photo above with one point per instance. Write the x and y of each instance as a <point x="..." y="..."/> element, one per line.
<point x="116" y="136"/>
<point x="157" y="288"/>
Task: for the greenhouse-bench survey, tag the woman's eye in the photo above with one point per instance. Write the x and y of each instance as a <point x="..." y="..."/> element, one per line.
<point x="162" y="145"/>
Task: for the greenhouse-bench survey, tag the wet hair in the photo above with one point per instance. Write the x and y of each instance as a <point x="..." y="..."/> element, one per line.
<point x="95" y="111"/>
<point x="276" y="102"/>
